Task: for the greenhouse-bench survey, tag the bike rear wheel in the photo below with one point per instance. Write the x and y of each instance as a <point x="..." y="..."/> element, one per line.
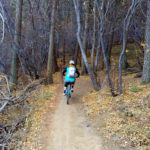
<point x="68" y="94"/>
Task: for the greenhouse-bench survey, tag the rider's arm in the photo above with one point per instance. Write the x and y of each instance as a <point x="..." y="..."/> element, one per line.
<point x="78" y="73"/>
<point x="64" y="71"/>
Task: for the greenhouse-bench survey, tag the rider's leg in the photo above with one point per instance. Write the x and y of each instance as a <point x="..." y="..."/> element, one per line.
<point x="65" y="86"/>
<point x="72" y="87"/>
<point x="64" y="90"/>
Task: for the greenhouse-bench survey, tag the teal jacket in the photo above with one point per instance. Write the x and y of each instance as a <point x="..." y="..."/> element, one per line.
<point x="67" y="78"/>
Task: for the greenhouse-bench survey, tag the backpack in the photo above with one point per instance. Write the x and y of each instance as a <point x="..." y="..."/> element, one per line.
<point x="71" y="72"/>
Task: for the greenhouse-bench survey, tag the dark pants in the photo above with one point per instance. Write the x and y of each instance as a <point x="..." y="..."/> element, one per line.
<point x="66" y="83"/>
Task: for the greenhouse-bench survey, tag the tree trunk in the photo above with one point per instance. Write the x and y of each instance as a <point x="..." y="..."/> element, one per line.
<point x="82" y="47"/>
<point x="17" y="40"/>
<point x="125" y="64"/>
<point x="83" y="68"/>
<point x="101" y="32"/>
<point x="125" y="33"/>
<point x="76" y="53"/>
<point x="64" y="52"/>
<point x="107" y="68"/>
<point x="94" y="37"/>
<point x="55" y="65"/>
<point x="51" y="45"/>
<point x="109" y="48"/>
<point x="97" y="55"/>
<point x="146" y="67"/>
<point x="121" y="55"/>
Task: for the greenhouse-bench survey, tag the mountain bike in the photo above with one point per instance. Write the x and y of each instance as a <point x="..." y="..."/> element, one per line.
<point x="68" y="92"/>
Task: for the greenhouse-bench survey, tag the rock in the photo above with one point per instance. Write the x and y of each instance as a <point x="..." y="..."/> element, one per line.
<point x="129" y="114"/>
<point x="148" y="135"/>
<point x="138" y="75"/>
<point x="88" y="125"/>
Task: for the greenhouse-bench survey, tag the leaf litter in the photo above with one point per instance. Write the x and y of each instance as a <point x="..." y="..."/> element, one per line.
<point x="44" y="103"/>
<point x="126" y="118"/>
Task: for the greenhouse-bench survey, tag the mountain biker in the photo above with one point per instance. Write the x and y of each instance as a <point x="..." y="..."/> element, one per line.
<point x="70" y="77"/>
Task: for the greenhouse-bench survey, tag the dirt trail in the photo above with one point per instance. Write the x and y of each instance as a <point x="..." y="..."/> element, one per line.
<point x="69" y="130"/>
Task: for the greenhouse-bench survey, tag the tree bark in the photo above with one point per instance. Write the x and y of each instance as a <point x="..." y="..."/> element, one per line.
<point x="101" y="32"/>
<point x="51" y="45"/>
<point x="64" y="52"/>
<point x="97" y="55"/>
<point x="109" y="47"/>
<point x="17" y="40"/>
<point x="125" y="64"/>
<point x="55" y="65"/>
<point x="94" y="38"/>
<point x="83" y="68"/>
<point x="82" y="47"/>
<point x="76" y="53"/>
<point x="125" y="33"/>
<point x="146" y="67"/>
<point x="106" y="65"/>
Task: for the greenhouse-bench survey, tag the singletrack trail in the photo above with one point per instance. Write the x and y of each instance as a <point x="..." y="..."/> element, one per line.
<point x="69" y="129"/>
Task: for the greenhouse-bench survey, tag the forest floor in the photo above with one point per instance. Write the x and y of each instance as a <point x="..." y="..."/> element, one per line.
<point x="65" y="127"/>
<point x="93" y="120"/>
<point x="124" y="119"/>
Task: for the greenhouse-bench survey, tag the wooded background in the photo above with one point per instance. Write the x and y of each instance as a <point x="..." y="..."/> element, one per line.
<point x="39" y="37"/>
<point x="106" y="38"/>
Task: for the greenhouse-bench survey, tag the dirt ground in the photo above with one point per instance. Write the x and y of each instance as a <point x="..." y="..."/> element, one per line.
<point x="67" y="128"/>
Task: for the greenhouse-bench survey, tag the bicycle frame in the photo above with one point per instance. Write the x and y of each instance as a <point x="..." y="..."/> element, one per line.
<point x="68" y="92"/>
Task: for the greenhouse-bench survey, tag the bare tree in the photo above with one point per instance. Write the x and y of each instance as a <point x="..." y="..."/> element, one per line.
<point x="98" y="50"/>
<point x="126" y="23"/>
<point x="76" y="5"/>
<point x="146" y="67"/>
<point x="51" y="45"/>
<point x="83" y="68"/>
<point x="3" y="22"/>
<point x="94" y="35"/>
<point x="101" y="32"/>
<point x="17" y="39"/>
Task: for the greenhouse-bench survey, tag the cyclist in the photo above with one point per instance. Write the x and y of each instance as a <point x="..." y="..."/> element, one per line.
<point x="70" y="77"/>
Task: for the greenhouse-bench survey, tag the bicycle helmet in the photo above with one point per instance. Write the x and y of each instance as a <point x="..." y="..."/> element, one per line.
<point x="71" y="62"/>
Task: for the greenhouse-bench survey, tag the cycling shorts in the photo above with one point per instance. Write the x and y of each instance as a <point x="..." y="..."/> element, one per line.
<point x="66" y="83"/>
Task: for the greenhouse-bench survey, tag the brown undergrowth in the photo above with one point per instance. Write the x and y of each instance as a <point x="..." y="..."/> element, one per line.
<point x="24" y="119"/>
<point x="125" y="119"/>
<point x="44" y="101"/>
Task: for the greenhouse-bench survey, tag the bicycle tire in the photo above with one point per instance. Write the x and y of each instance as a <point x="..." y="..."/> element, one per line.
<point x="68" y="94"/>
